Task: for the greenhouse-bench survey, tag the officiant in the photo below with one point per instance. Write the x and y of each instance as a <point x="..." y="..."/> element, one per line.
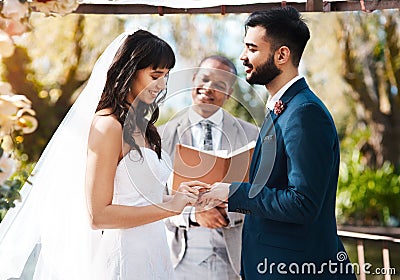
<point x="207" y="244"/>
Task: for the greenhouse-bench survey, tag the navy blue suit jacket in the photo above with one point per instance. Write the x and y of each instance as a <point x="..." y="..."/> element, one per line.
<point x="290" y="226"/>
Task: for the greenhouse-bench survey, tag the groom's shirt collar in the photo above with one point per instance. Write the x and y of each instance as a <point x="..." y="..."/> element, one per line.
<point x="273" y="99"/>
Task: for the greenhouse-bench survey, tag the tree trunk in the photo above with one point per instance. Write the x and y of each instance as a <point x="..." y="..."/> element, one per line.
<point x="370" y="66"/>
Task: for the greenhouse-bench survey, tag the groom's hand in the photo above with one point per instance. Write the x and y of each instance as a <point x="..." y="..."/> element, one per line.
<point x="218" y="193"/>
<point x="213" y="218"/>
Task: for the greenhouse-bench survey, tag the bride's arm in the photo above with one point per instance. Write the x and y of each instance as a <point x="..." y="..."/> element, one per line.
<point x="167" y="197"/>
<point x="104" y="148"/>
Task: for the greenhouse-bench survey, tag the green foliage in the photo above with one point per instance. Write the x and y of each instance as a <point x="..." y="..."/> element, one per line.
<point x="246" y="103"/>
<point x="9" y="189"/>
<point x="366" y="196"/>
<point x="9" y="192"/>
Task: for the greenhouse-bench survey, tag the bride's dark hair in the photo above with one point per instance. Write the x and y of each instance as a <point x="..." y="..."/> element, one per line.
<point x="140" y="50"/>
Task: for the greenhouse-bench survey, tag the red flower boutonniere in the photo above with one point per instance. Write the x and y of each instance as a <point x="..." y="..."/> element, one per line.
<point x="279" y="107"/>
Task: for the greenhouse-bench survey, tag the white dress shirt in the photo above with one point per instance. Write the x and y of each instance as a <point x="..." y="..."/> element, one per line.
<point x="202" y="238"/>
<point x="197" y="130"/>
<point x="273" y="99"/>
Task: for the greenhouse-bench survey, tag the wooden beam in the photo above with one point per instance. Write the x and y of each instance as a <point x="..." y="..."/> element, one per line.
<point x="314" y="6"/>
<point x="310" y="6"/>
<point x="369" y="5"/>
<point x="148" y="9"/>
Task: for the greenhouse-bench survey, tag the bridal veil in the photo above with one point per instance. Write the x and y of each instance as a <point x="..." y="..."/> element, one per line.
<point x="48" y="235"/>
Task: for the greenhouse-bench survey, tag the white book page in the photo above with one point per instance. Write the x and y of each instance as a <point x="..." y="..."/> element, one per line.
<point x="247" y="147"/>
<point x="218" y="153"/>
<point x="221" y="153"/>
<point x="224" y="153"/>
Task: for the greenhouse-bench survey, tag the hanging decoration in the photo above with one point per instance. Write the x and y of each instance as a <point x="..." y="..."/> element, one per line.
<point x="14" y="18"/>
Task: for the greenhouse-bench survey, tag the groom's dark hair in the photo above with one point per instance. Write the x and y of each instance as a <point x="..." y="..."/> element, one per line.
<point x="284" y="27"/>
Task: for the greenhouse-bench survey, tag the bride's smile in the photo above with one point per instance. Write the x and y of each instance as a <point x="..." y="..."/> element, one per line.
<point x="148" y="83"/>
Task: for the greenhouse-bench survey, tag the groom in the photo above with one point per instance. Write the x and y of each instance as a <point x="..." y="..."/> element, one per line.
<point x="290" y="226"/>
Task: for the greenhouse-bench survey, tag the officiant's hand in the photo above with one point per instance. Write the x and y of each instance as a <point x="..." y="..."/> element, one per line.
<point x="218" y="194"/>
<point x="213" y="218"/>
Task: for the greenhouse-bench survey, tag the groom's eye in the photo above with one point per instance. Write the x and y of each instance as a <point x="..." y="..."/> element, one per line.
<point x="220" y="86"/>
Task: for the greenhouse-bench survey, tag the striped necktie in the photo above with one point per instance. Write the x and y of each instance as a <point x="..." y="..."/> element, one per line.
<point x="208" y="143"/>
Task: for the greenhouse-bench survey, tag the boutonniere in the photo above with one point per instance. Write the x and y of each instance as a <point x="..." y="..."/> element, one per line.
<point x="279" y="107"/>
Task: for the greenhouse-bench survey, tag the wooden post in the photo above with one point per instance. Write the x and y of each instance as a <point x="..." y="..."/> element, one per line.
<point x="314" y="6"/>
<point x="361" y="258"/>
<point x="386" y="260"/>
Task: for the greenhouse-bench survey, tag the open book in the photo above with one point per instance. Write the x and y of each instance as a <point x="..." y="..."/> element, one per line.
<point x="211" y="166"/>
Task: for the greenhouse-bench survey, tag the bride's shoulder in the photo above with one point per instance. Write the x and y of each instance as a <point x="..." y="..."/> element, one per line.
<point x="105" y="133"/>
<point x="104" y="121"/>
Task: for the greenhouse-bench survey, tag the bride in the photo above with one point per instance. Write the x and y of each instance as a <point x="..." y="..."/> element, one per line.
<point x="95" y="206"/>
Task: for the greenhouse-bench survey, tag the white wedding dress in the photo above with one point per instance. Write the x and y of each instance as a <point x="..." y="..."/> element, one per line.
<point x="141" y="252"/>
<point x="47" y="236"/>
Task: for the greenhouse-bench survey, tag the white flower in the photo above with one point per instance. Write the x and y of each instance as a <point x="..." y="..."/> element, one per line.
<point x="19" y="100"/>
<point x="27" y="124"/>
<point x="7" y="167"/>
<point x="15" y="9"/>
<point x="59" y="7"/>
<point x="6" y="124"/>
<point x="5" y="88"/>
<point x="15" y="27"/>
<point x="13" y="112"/>
<point x="6" y="45"/>
<point x="25" y="110"/>
<point x="7" y="143"/>
<point x="7" y="107"/>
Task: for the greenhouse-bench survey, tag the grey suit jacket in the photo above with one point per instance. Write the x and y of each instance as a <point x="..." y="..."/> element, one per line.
<point x="236" y="133"/>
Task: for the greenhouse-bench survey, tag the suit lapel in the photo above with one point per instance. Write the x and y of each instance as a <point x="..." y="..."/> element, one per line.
<point x="266" y="128"/>
<point x="289" y="94"/>
<point x="254" y="160"/>
<point x="230" y="134"/>
<point x="183" y="132"/>
<point x="270" y="121"/>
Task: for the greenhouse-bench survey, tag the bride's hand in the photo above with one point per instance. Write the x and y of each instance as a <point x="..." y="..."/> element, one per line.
<point x="187" y="194"/>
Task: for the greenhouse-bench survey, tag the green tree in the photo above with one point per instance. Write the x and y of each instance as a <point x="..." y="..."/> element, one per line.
<point x="371" y="66"/>
<point x="51" y="65"/>
<point x="366" y="196"/>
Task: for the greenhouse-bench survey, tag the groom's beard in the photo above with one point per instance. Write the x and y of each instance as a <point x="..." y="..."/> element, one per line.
<point x="266" y="73"/>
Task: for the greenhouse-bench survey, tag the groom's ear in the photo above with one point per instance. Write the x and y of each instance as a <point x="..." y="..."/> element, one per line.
<point x="194" y="76"/>
<point x="282" y="55"/>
